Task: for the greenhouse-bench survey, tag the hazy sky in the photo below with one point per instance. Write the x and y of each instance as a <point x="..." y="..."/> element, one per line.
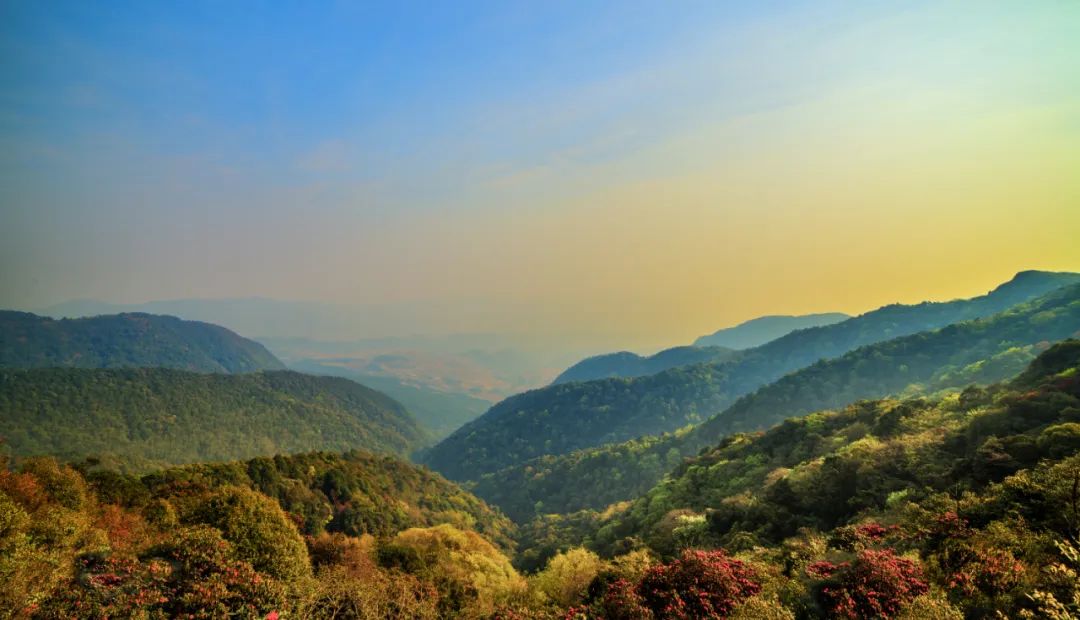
<point x="647" y="172"/>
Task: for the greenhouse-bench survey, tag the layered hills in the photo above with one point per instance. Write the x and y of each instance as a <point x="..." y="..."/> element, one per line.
<point x="981" y="351"/>
<point x="567" y="417"/>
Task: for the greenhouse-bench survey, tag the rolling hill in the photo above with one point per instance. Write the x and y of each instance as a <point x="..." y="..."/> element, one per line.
<point x="355" y="492"/>
<point x="567" y="417"/>
<point x="627" y="364"/>
<point x="154" y="416"/>
<point x="756" y="332"/>
<point x="127" y="340"/>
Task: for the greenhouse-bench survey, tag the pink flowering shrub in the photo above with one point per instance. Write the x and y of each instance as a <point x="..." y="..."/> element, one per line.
<point x="700" y="584"/>
<point x="877" y="584"/>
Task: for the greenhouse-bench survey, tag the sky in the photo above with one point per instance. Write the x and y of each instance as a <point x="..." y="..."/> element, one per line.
<point x="633" y="173"/>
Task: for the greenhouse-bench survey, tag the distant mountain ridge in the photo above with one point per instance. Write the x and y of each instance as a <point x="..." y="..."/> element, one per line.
<point x="562" y="418"/>
<point x="127" y="340"/>
<point x="145" y="417"/>
<point x="627" y="364"/>
<point x="980" y="351"/>
<point x="756" y="332"/>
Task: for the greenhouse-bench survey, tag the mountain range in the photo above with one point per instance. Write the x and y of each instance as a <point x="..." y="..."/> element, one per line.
<point x="979" y="351"/>
<point x="756" y="332"/>
<point x="566" y="417"/>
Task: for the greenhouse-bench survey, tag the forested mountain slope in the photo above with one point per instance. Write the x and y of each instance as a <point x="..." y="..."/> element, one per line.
<point x="562" y="418"/>
<point x="756" y="332"/>
<point x="961" y="507"/>
<point x="982" y="351"/>
<point x="154" y="416"/>
<point x="127" y="340"/>
<point x="627" y="364"/>
<point x="822" y="470"/>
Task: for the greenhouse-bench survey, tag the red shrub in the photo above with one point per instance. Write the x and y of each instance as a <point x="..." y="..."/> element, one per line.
<point x="700" y="584"/>
<point x="876" y="585"/>
<point x="951" y="525"/>
<point x="620" y="601"/>
<point x="992" y="571"/>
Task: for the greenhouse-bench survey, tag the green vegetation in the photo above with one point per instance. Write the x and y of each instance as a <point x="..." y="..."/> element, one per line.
<point x="756" y="332"/>
<point x="354" y="493"/>
<point x="223" y="540"/>
<point x="827" y="468"/>
<point x="127" y="340"/>
<point x="963" y="506"/>
<point x="149" y="417"/>
<point x="563" y="418"/>
<point x="626" y="364"/>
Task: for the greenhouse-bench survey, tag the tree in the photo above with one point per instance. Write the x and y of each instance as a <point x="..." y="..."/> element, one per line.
<point x="699" y="584"/>
<point x="259" y="530"/>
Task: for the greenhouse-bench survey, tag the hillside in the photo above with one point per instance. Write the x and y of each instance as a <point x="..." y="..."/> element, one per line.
<point x="440" y="413"/>
<point x="979" y="351"/>
<point x="982" y="350"/>
<point x="562" y="418"/>
<point x="354" y="493"/>
<point x="127" y="340"/>
<point x="960" y="507"/>
<point x="756" y="332"/>
<point x="144" y="417"/>
<point x="627" y="364"/>
<point x="315" y="535"/>
<point x="823" y="470"/>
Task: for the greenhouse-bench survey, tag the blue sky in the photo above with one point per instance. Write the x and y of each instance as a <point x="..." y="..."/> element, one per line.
<point x="555" y="162"/>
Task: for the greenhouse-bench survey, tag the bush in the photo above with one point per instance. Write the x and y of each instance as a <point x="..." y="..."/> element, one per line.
<point x="700" y="584"/>
<point x="259" y="530"/>
<point x="876" y="585"/>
